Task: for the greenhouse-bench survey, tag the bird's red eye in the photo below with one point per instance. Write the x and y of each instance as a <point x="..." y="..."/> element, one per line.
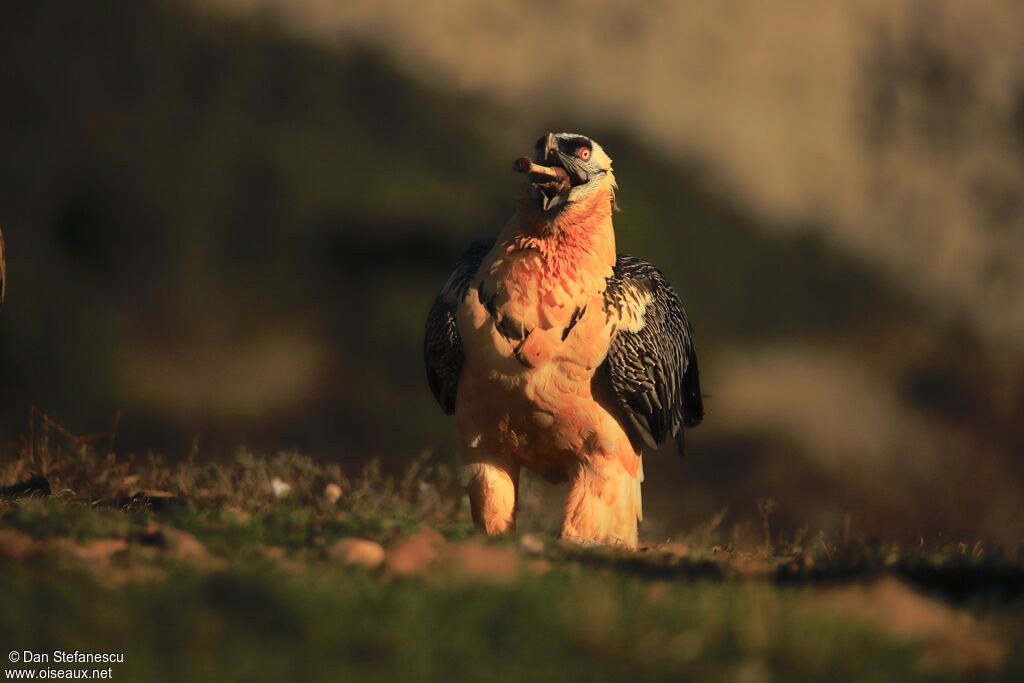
<point x="583" y="153"/>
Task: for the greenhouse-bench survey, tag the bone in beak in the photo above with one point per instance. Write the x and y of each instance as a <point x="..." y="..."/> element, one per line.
<point x="552" y="180"/>
<point x="526" y="165"/>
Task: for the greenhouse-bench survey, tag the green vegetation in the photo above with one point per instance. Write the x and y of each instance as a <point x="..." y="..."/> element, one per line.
<point x="203" y="572"/>
<point x="255" y="622"/>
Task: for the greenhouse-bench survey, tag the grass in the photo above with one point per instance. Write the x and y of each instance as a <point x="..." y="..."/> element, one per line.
<point x="199" y="572"/>
<point x="252" y="622"/>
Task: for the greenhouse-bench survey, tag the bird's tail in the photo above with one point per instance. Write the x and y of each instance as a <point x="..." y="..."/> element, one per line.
<point x="605" y="504"/>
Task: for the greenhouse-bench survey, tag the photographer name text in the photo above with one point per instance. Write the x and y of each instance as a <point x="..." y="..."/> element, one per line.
<point x="65" y="657"/>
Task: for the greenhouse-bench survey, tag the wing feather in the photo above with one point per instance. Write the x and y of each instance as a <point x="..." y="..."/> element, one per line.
<point x="651" y="366"/>
<point x="442" y="345"/>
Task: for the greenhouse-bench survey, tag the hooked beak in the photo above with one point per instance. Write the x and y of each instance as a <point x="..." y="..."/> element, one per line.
<point x="549" y="147"/>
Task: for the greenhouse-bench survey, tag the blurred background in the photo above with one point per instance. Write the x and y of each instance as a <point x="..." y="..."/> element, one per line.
<point x="227" y="221"/>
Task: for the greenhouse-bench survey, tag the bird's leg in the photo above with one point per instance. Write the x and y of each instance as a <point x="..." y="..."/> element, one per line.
<point x="604" y="504"/>
<point x="493" y="488"/>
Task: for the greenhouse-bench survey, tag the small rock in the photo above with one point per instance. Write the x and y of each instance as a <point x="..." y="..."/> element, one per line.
<point x="184" y="546"/>
<point x="100" y="549"/>
<point x="531" y="543"/>
<point x="414" y="555"/>
<point x="16" y="545"/>
<point x="479" y="562"/>
<point x="332" y="493"/>
<point x="357" y="551"/>
<point x="280" y="488"/>
<point x="177" y="545"/>
<point x="105" y="559"/>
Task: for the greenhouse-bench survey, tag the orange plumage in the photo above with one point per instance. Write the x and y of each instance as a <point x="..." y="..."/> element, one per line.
<point x="534" y="327"/>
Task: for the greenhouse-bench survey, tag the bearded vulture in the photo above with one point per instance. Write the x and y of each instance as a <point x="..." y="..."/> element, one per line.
<point x="557" y="354"/>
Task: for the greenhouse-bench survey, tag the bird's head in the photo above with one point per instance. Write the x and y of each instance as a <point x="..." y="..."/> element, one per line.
<point x="567" y="169"/>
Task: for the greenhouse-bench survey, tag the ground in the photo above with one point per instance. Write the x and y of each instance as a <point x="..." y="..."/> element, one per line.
<point x="277" y="568"/>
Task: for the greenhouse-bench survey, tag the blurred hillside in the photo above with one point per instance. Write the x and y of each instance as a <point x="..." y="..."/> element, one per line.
<point x="890" y="127"/>
<point x="232" y="233"/>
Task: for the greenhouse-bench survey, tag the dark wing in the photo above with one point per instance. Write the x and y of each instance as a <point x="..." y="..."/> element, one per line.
<point x="3" y="270"/>
<point x="442" y="346"/>
<point x="651" y="365"/>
